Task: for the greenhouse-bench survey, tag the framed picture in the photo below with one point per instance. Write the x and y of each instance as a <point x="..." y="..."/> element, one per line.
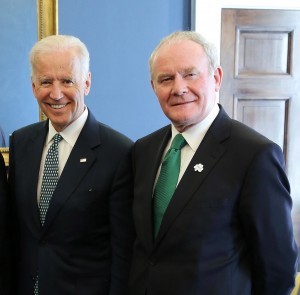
<point x="47" y="24"/>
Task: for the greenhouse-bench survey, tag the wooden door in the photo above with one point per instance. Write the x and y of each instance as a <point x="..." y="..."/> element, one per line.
<point x="260" y="56"/>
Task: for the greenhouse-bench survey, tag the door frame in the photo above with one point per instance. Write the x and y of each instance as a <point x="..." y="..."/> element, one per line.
<point x="206" y="16"/>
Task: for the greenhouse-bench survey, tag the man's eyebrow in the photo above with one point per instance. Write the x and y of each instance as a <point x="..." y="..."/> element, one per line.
<point x="190" y="69"/>
<point x="164" y="75"/>
<point x="40" y="78"/>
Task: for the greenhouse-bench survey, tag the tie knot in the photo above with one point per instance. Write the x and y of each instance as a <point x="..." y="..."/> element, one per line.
<point x="178" y="142"/>
<point x="57" y="138"/>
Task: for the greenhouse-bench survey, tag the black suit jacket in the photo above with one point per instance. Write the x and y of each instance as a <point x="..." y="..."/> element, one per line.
<point x="227" y="229"/>
<point x="85" y="244"/>
<point x="3" y="227"/>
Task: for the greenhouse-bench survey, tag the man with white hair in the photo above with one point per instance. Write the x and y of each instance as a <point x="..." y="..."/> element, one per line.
<point x="212" y="207"/>
<point x="71" y="183"/>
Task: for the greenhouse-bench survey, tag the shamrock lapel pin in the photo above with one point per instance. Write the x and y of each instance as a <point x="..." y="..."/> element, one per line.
<point x="198" y="167"/>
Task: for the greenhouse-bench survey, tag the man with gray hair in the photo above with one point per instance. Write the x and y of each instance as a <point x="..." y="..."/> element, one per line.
<point x="71" y="182"/>
<point x="212" y="205"/>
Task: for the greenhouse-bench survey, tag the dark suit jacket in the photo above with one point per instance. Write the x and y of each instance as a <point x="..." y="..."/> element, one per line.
<point x="3" y="227"/>
<point x="85" y="244"/>
<point x="227" y="229"/>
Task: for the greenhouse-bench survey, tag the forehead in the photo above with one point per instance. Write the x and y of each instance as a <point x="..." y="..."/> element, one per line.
<point x="176" y="53"/>
<point x="57" y="61"/>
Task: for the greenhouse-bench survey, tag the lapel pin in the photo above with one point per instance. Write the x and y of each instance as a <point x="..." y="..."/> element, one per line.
<point x="198" y="167"/>
<point x="82" y="160"/>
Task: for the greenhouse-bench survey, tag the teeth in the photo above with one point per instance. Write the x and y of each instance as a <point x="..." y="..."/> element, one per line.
<point x="57" y="106"/>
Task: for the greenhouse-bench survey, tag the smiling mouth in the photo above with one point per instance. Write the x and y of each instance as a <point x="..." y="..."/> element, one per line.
<point x="57" y="106"/>
<point x="183" y="103"/>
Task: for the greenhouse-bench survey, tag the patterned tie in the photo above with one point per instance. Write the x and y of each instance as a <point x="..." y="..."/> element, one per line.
<point x="50" y="177"/>
<point x="36" y="286"/>
<point x="167" y="181"/>
<point x="49" y="182"/>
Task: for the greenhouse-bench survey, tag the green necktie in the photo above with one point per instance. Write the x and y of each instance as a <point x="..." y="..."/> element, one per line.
<point x="167" y="181"/>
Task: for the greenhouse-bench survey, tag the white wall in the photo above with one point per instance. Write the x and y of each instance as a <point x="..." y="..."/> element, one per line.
<point x="207" y="14"/>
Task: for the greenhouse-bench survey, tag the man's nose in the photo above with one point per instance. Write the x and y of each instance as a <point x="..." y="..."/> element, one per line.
<point x="56" y="91"/>
<point x="179" y="86"/>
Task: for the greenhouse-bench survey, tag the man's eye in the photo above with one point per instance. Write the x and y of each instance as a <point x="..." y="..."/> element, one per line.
<point x="164" y="80"/>
<point x="68" y="82"/>
<point x="45" y="83"/>
<point x="191" y="74"/>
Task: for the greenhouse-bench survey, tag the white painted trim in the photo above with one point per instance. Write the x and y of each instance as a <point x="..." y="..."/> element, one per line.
<point x="207" y="14"/>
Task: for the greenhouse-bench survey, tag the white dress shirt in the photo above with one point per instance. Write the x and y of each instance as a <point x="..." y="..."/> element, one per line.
<point x="70" y="135"/>
<point x="193" y="136"/>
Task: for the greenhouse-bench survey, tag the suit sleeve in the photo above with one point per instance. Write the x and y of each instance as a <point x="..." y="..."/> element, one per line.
<point x="265" y="210"/>
<point x="122" y="229"/>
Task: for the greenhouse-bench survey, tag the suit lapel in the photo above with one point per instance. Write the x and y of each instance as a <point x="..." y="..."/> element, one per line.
<point x="151" y="162"/>
<point x="32" y="159"/>
<point x="208" y="154"/>
<point x="78" y="164"/>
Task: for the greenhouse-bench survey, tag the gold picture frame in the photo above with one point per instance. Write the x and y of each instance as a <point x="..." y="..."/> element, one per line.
<point x="47" y="16"/>
<point x="47" y="24"/>
<point x="5" y="153"/>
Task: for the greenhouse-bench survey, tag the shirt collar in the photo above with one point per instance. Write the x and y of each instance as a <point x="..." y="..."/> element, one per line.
<point x="70" y="133"/>
<point x="195" y="134"/>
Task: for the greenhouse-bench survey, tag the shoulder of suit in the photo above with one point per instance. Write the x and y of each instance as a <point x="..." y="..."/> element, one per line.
<point x="111" y="134"/>
<point x="31" y="128"/>
<point x="237" y="130"/>
<point x="156" y="135"/>
<point x="246" y="133"/>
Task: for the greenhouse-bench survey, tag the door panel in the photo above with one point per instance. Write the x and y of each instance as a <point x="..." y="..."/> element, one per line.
<point x="259" y="113"/>
<point x="262" y="52"/>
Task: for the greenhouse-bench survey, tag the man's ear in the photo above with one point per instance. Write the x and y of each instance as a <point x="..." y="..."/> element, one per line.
<point x="33" y="86"/>
<point x="152" y="85"/>
<point x="218" y="75"/>
<point x="88" y="83"/>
